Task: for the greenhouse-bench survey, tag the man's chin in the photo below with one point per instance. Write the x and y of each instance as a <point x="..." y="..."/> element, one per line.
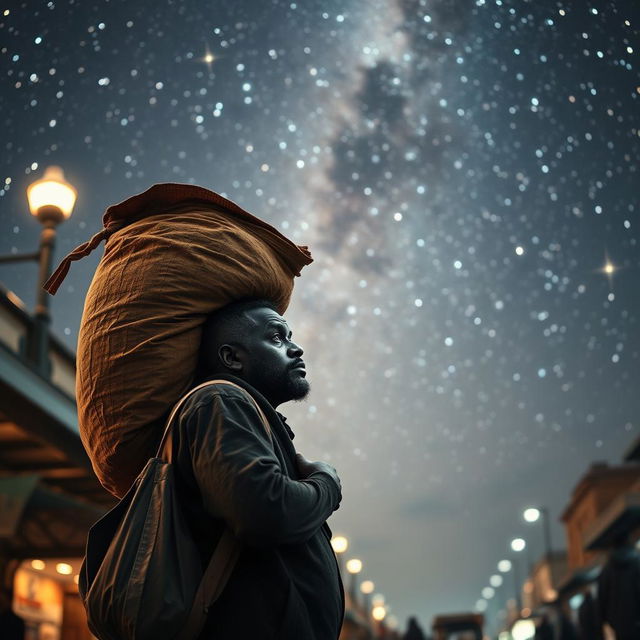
<point x="299" y="389"/>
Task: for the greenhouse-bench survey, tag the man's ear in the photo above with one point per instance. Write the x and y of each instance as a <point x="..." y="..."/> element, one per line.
<point x="229" y="357"/>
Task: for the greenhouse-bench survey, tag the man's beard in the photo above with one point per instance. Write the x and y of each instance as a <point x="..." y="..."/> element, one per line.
<point x="284" y="385"/>
<point x="297" y="387"/>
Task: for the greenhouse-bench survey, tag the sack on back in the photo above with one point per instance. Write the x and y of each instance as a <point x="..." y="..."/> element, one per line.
<point x="174" y="254"/>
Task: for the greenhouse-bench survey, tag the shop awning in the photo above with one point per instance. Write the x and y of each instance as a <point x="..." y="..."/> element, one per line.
<point x="37" y="521"/>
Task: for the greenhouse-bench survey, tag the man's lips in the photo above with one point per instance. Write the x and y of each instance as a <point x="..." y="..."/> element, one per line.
<point x="299" y="366"/>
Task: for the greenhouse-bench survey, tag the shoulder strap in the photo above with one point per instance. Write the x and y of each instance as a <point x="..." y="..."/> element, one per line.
<point x="225" y="555"/>
<point x="166" y="436"/>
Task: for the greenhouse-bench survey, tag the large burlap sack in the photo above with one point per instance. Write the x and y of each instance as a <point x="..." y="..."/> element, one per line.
<point x="174" y="254"/>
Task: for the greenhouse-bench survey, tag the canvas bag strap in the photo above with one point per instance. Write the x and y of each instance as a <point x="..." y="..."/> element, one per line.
<point x="166" y="436"/>
<point x="225" y="555"/>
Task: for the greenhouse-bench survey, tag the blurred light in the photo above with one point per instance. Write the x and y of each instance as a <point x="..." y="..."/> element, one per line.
<point x="481" y="605"/>
<point x="51" y="191"/>
<point x="379" y="612"/>
<point x="532" y="514"/>
<point x="576" y="601"/>
<point x="523" y="630"/>
<point x="377" y="600"/>
<point x="64" y="569"/>
<point x="504" y="566"/>
<point x="38" y="565"/>
<point x="518" y="544"/>
<point x="495" y="580"/>
<point x="488" y="593"/>
<point x="609" y="268"/>
<point x="550" y="594"/>
<point x="367" y="586"/>
<point x="354" y="565"/>
<point x="339" y="544"/>
<point x="76" y="578"/>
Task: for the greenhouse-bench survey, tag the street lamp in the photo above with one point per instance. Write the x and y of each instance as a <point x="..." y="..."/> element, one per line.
<point x="51" y="200"/>
<point x="367" y="587"/>
<point x="504" y="566"/>
<point x="340" y="545"/>
<point x="354" y="567"/>
<point x="517" y="545"/>
<point x="533" y="514"/>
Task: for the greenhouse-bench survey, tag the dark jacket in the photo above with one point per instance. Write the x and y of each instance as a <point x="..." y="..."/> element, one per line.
<point x="286" y="584"/>
<point x="619" y="592"/>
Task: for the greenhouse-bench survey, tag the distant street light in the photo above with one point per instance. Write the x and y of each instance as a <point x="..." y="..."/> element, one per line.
<point x="495" y="580"/>
<point x="51" y="200"/>
<point x="518" y="544"/>
<point x="488" y="593"/>
<point x="533" y="514"/>
<point x="354" y="567"/>
<point x="379" y="612"/>
<point x="377" y="600"/>
<point x="340" y="545"/>
<point x="367" y="587"/>
<point x="504" y="566"/>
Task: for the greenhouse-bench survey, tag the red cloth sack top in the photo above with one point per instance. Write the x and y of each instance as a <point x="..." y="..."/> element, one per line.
<point x="174" y="254"/>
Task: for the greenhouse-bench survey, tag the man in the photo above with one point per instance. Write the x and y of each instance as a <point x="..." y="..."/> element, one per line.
<point x="286" y="584"/>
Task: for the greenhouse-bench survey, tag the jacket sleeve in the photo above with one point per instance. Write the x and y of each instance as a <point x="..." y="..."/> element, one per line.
<point x="241" y="479"/>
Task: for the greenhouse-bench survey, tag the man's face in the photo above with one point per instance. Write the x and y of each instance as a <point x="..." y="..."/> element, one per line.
<point x="271" y="361"/>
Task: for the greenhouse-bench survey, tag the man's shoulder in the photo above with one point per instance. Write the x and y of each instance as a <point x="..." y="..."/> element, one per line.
<point x="218" y="392"/>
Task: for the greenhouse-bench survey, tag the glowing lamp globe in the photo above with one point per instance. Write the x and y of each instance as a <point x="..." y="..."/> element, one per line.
<point x="504" y="566"/>
<point x="51" y="198"/>
<point x="532" y="514"/>
<point x="367" y="587"/>
<point x="379" y="612"/>
<point x="354" y="565"/>
<point x="339" y="544"/>
<point x="518" y="544"/>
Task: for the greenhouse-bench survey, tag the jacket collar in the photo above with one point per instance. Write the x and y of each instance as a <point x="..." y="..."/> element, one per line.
<point x="269" y="411"/>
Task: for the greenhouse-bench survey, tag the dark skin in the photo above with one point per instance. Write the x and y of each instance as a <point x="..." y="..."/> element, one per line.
<point x="269" y="360"/>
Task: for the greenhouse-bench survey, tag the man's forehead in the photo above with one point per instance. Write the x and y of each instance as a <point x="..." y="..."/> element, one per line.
<point x="261" y="317"/>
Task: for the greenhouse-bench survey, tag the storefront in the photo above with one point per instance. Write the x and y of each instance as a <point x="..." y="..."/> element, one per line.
<point x="46" y="597"/>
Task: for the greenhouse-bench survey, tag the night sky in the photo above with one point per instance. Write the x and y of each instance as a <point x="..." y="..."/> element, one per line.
<point x="462" y="173"/>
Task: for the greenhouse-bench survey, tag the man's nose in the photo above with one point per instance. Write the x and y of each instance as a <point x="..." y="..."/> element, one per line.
<point x="295" y="350"/>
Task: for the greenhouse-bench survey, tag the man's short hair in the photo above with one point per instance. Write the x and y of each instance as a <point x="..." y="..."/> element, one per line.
<point x="227" y="325"/>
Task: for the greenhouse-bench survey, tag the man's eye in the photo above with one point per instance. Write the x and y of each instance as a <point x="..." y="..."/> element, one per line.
<point x="277" y="336"/>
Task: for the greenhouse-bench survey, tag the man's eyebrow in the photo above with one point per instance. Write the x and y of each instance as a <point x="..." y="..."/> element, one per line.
<point x="280" y="323"/>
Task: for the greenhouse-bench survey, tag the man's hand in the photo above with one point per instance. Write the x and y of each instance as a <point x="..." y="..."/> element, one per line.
<point x="307" y="467"/>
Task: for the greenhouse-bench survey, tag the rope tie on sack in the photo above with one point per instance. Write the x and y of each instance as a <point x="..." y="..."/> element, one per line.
<point x="57" y="277"/>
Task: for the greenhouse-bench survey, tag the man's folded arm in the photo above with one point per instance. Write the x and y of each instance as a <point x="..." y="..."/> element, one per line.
<point x="242" y="482"/>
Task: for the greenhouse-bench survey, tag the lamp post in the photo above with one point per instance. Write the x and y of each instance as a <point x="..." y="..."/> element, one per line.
<point x="367" y="587"/>
<point x="354" y="567"/>
<point x="533" y="514"/>
<point x="51" y="200"/>
<point x="517" y="545"/>
<point x="340" y="544"/>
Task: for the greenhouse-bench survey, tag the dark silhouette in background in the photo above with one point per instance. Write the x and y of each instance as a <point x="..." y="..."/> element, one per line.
<point x="12" y="626"/>
<point x="414" y="631"/>
<point x="619" y="590"/>
<point x="544" y="629"/>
